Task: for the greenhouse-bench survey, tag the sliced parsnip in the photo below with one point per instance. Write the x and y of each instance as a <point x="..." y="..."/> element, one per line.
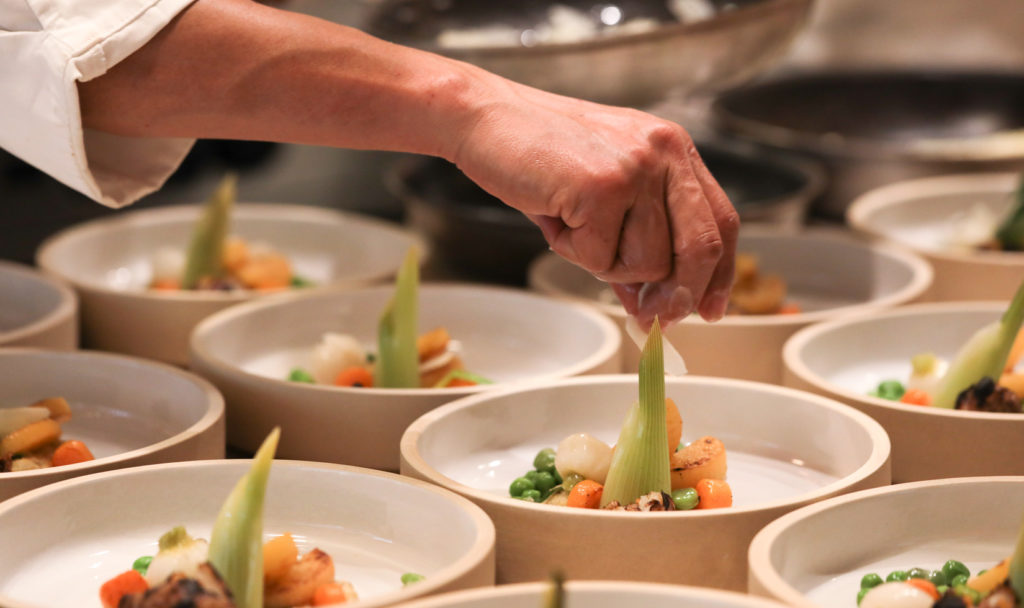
<point x="702" y="459"/>
<point x="59" y="408"/>
<point x="30" y="437"/>
<point x="14" y="418"/>
<point x="279" y="554"/>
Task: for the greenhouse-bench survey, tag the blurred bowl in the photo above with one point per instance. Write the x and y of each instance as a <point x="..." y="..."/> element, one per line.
<point x="127" y="411"/>
<point x="375" y="526"/>
<point x="874" y="277"/>
<point x="875" y="128"/>
<point x="732" y="43"/>
<point x="595" y="594"/>
<point x="785" y="449"/>
<point x="921" y="213"/>
<point x="816" y="556"/>
<point x="507" y="336"/>
<point x="108" y="262"/>
<point x="846" y="359"/>
<point x="36" y="310"/>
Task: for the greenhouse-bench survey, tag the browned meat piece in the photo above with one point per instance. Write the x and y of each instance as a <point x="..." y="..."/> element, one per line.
<point x="985" y="396"/>
<point x="654" y="501"/>
<point x="206" y="590"/>
<point x="1001" y="597"/>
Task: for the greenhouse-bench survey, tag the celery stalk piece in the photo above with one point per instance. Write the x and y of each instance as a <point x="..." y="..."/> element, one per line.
<point x="1017" y="566"/>
<point x="984" y="355"/>
<point x="206" y="250"/>
<point x="236" y="544"/>
<point x="398" y="361"/>
<point x="555" y="596"/>
<point x="1011" y="233"/>
<point x="640" y="463"/>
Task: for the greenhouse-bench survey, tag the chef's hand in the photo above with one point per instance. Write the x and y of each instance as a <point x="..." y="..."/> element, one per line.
<point x="616" y="191"/>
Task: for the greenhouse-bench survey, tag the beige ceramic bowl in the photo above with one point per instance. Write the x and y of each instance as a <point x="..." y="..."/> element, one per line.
<point x="127" y="411"/>
<point x="785" y="449"/>
<point x="36" y="310"/>
<point x="595" y="594"/>
<point x="828" y="274"/>
<point x="919" y="214"/>
<point x="108" y="261"/>
<point x="507" y="336"/>
<point x="816" y="556"/>
<point x="846" y="359"/>
<point x="375" y="526"/>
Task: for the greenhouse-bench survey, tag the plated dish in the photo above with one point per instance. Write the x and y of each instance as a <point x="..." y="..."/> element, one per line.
<point x="478" y="446"/>
<point x="825" y="554"/>
<point x="848" y="360"/>
<point x="36" y="310"/>
<point x="125" y="411"/>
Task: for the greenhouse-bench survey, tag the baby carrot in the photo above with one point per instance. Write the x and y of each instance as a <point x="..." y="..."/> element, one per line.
<point x="915" y="396"/>
<point x="121" y="585"/>
<point x="586" y="494"/>
<point x="354" y="376"/>
<point x="70" y="452"/>
<point x="713" y="494"/>
<point x="333" y="593"/>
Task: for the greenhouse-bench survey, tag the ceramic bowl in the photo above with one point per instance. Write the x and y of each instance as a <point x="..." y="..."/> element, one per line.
<point x="828" y="273"/>
<point x="846" y="359"/>
<point x="817" y="555"/>
<point x="36" y="310"/>
<point x="375" y="526"/>
<point x="507" y="336"/>
<point x="785" y="449"/>
<point x="595" y="594"/>
<point x="127" y="411"/>
<point x="920" y="214"/>
<point x="108" y="261"/>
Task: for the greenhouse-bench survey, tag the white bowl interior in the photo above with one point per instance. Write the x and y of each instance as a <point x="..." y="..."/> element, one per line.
<point x="822" y="552"/>
<point x="486" y="441"/>
<point x="506" y="335"/>
<point x="856" y="356"/>
<point x="323" y="246"/>
<point x="25" y="298"/>
<point x="376" y="527"/>
<point x="118" y="404"/>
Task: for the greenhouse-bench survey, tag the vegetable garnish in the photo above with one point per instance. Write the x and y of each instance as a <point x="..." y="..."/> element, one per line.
<point x="205" y="256"/>
<point x="984" y="355"/>
<point x="236" y="543"/>
<point x="640" y="464"/>
<point x="398" y="359"/>
<point x="1017" y="566"/>
<point x="1011" y="233"/>
<point x="555" y="596"/>
<point x="461" y="377"/>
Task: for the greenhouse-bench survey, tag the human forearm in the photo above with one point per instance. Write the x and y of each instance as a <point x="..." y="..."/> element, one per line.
<point x="234" y="69"/>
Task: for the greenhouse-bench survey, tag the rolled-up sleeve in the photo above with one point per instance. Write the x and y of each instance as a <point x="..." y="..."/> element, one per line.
<point x="46" y="47"/>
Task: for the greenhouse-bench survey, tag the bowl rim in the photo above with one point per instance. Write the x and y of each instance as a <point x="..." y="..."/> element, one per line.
<point x="922" y="277"/>
<point x="482" y="546"/>
<point x="759" y="562"/>
<point x="213" y="414"/>
<point x="792" y="358"/>
<point x="199" y="349"/>
<point x="65" y="311"/>
<point x="747" y="13"/>
<point x="880" y="450"/>
<point x="869" y="149"/>
<point x="860" y="212"/>
<point x="741" y="600"/>
<point x="45" y="254"/>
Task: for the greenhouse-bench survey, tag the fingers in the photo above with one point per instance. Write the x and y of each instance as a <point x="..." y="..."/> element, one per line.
<point x="713" y="305"/>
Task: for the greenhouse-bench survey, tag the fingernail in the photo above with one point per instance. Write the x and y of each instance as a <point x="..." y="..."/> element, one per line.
<point x="717" y="305"/>
<point x="681" y="303"/>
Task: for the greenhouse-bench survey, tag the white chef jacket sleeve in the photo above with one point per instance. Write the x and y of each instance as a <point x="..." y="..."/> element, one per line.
<point x="46" y="46"/>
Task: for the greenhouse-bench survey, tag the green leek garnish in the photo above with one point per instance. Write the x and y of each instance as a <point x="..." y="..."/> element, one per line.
<point x="1017" y="566"/>
<point x="555" y="596"/>
<point x="205" y="256"/>
<point x="398" y="361"/>
<point x="236" y="543"/>
<point x="461" y="374"/>
<point x="983" y="356"/>
<point x="1011" y="233"/>
<point x="640" y="463"/>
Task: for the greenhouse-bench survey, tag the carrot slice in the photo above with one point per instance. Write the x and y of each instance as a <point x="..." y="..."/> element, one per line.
<point x="71" y="452"/>
<point x="333" y="593"/>
<point x="790" y="309"/>
<point x="714" y="494"/>
<point x="916" y="396"/>
<point x="586" y="494"/>
<point x="121" y="585"/>
<point x="354" y="376"/>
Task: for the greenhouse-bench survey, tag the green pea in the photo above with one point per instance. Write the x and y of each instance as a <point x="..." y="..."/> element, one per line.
<point x="870" y="581"/>
<point x="526" y="498"/>
<point x="300" y="375"/>
<point x="896" y="575"/>
<point x="556" y="475"/>
<point x="685" y="498"/>
<point x="952" y="568"/>
<point x="520" y="485"/>
<point x="958" y="580"/>
<point x="544" y="482"/>
<point x="570" y="480"/>
<point x="411" y="577"/>
<point x="861" y="594"/>
<point x="942" y="589"/>
<point x="965" y="591"/>
<point x="890" y="389"/>
<point x="545" y="460"/>
<point x="938" y="578"/>
<point x="532" y="475"/>
<point x="533" y="495"/>
<point x="917" y="573"/>
<point x="141" y="565"/>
